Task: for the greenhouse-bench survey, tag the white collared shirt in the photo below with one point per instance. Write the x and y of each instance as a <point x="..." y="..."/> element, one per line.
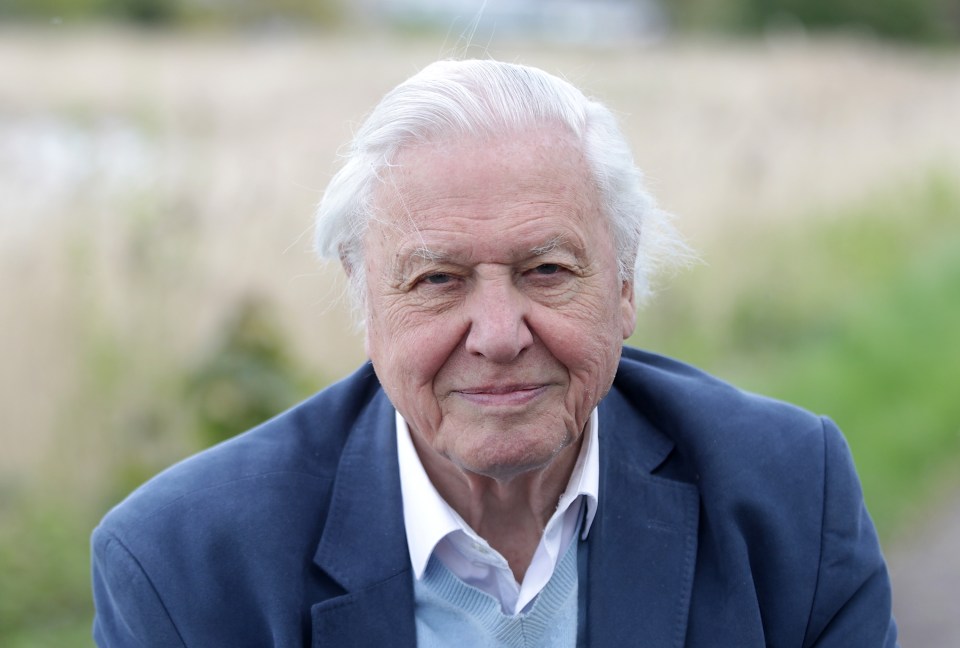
<point x="433" y="527"/>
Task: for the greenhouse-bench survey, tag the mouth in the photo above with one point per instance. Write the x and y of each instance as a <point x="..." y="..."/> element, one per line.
<point x="502" y="395"/>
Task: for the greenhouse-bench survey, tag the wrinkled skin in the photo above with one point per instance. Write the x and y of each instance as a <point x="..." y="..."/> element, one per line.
<point x="495" y="312"/>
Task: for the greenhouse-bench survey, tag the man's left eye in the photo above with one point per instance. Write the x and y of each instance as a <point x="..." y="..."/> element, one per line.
<point x="547" y="269"/>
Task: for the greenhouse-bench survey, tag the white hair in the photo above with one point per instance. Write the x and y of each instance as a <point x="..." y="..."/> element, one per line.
<point x="490" y="98"/>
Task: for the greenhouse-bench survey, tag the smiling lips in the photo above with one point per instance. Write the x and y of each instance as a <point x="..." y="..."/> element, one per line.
<point x="502" y="395"/>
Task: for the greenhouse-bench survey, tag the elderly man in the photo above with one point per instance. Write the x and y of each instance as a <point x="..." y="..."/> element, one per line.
<point x="503" y="472"/>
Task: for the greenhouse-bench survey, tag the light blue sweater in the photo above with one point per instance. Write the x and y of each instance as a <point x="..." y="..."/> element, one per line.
<point x="451" y="613"/>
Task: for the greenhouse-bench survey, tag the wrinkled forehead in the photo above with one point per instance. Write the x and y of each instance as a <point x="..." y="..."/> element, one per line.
<point x="449" y="166"/>
<point x="531" y="189"/>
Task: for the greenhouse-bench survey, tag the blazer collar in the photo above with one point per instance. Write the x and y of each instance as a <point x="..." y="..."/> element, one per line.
<point x="363" y="546"/>
<point x="643" y="544"/>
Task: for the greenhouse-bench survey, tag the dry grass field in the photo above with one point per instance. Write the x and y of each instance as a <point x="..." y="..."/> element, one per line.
<point x="149" y="183"/>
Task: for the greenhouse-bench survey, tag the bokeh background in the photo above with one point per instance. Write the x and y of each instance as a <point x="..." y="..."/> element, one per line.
<point x="160" y="161"/>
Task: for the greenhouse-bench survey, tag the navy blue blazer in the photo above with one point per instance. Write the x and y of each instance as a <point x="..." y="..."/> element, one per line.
<point x="725" y="519"/>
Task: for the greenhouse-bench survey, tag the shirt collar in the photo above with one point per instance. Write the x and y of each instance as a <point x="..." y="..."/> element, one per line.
<point x="428" y="518"/>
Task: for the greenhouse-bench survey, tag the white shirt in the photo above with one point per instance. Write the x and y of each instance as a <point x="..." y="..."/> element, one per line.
<point x="433" y="527"/>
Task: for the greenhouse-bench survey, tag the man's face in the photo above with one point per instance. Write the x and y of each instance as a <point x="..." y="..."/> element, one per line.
<point x="495" y="312"/>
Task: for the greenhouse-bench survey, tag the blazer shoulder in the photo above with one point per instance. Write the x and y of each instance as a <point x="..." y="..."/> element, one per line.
<point x="300" y="446"/>
<point x="779" y="500"/>
<point x="720" y="429"/>
<point x="221" y="547"/>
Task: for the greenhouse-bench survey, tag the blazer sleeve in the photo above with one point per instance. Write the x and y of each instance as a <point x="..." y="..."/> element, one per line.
<point x="129" y="611"/>
<point x="852" y="605"/>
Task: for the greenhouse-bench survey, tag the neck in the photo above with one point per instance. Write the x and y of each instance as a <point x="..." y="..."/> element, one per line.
<point x="510" y="513"/>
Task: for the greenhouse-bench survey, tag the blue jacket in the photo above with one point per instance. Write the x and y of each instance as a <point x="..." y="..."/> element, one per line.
<point x="725" y="519"/>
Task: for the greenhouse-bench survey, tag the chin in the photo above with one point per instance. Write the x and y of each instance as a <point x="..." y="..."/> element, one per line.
<point x="506" y="463"/>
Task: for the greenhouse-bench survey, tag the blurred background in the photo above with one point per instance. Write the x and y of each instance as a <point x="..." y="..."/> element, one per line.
<point x="160" y="161"/>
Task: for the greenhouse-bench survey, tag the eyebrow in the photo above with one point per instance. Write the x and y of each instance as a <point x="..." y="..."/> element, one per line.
<point x="403" y="264"/>
<point x="427" y="254"/>
<point x="424" y="253"/>
<point x="549" y="246"/>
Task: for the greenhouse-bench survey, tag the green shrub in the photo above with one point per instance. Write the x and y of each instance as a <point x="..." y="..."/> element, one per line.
<point x="248" y="377"/>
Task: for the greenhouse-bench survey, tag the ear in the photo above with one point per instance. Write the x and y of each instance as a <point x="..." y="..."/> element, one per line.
<point x="348" y="267"/>
<point x="345" y="260"/>
<point x="628" y="308"/>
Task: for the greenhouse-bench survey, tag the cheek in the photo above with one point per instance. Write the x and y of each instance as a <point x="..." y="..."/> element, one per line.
<point x="588" y="343"/>
<point x="593" y="362"/>
<point x="408" y="351"/>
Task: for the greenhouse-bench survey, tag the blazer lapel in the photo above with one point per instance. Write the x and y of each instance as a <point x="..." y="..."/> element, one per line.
<point x="643" y="542"/>
<point x="363" y="547"/>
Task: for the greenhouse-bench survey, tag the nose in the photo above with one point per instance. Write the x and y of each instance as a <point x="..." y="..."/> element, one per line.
<point x="498" y="321"/>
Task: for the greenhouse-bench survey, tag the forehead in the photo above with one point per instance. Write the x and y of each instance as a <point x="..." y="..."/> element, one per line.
<point x="526" y="190"/>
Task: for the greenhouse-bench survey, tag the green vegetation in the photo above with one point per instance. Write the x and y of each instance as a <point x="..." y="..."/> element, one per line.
<point x="44" y="593"/>
<point x="906" y="20"/>
<point x="248" y="378"/>
<point x="854" y="315"/>
<point x="177" y="13"/>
